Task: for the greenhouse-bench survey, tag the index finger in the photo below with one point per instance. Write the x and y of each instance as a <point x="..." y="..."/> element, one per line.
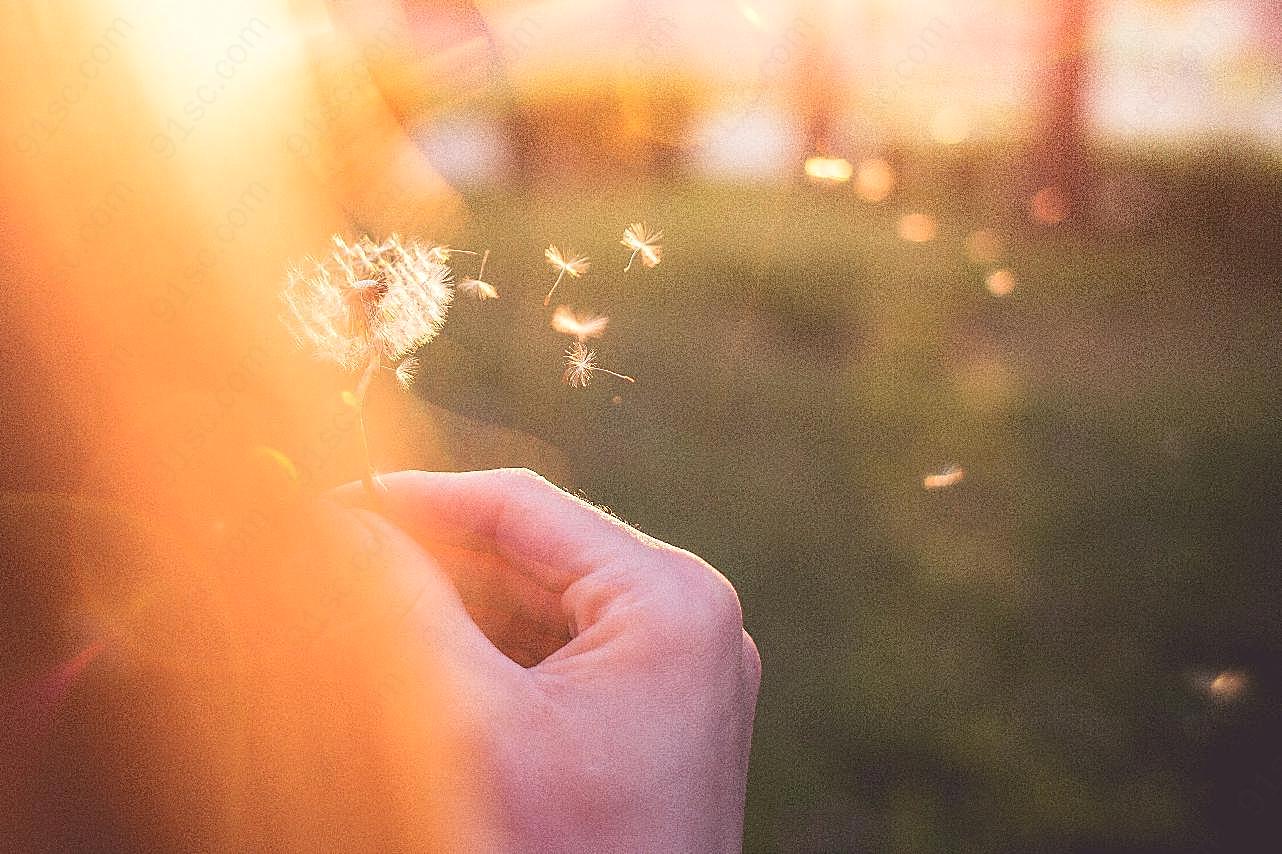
<point x="546" y="533"/>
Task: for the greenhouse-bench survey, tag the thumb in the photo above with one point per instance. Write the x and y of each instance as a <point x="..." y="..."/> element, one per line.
<point x="418" y="599"/>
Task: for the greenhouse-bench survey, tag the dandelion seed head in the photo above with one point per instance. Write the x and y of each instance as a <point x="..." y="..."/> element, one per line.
<point x="581" y="326"/>
<point x="367" y="298"/>
<point x="407" y="371"/>
<point x="580" y="362"/>
<point x="477" y="288"/>
<point x="569" y="263"/>
<point x="643" y="242"/>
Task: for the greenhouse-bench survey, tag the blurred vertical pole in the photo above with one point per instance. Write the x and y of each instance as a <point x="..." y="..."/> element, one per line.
<point x="1059" y="152"/>
<point x="815" y="94"/>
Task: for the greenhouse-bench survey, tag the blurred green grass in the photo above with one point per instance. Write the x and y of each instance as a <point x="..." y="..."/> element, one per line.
<point x="999" y="665"/>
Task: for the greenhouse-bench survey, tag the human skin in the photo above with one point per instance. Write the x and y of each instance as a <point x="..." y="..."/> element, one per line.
<point x="633" y="733"/>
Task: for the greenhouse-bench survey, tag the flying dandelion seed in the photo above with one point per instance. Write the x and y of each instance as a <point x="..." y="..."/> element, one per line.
<point x="441" y="254"/>
<point x="368" y="305"/>
<point x="944" y="479"/>
<point x="568" y="263"/>
<point x="581" y="326"/>
<point x="407" y="371"/>
<point x="580" y="364"/>
<point x="478" y="287"/>
<point x="644" y="243"/>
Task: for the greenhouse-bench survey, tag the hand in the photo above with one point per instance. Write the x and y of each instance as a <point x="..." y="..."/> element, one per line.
<point x="632" y="730"/>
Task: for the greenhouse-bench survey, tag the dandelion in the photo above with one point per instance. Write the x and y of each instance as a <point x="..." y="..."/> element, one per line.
<point x="581" y="326"/>
<point x="580" y="363"/>
<point x="367" y="306"/>
<point x="478" y="287"/>
<point x="575" y="266"/>
<point x="644" y="243"/>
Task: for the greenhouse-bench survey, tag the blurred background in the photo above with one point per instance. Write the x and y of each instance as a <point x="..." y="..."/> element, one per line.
<point x="962" y="361"/>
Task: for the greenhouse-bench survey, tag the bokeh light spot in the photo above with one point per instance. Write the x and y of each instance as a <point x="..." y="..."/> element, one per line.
<point x="984" y="246"/>
<point x="752" y="16"/>
<point x="874" y="180"/>
<point x="835" y="170"/>
<point x="1048" y="206"/>
<point x="950" y="126"/>
<point x="1228" y="685"/>
<point x="1000" y="283"/>
<point x="917" y="228"/>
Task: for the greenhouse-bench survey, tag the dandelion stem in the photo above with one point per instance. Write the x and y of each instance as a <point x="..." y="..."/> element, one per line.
<point x="613" y="374"/>
<point x="548" y="299"/>
<point x="362" y="387"/>
<point x="631" y="258"/>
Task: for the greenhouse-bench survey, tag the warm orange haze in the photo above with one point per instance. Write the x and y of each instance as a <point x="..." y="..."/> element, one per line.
<point x="946" y="333"/>
<point x="151" y="212"/>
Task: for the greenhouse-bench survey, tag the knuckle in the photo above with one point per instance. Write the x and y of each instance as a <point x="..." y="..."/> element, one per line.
<point x="701" y="598"/>
<point x="719" y="598"/>
<point x="521" y="481"/>
<point x="518" y="476"/>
